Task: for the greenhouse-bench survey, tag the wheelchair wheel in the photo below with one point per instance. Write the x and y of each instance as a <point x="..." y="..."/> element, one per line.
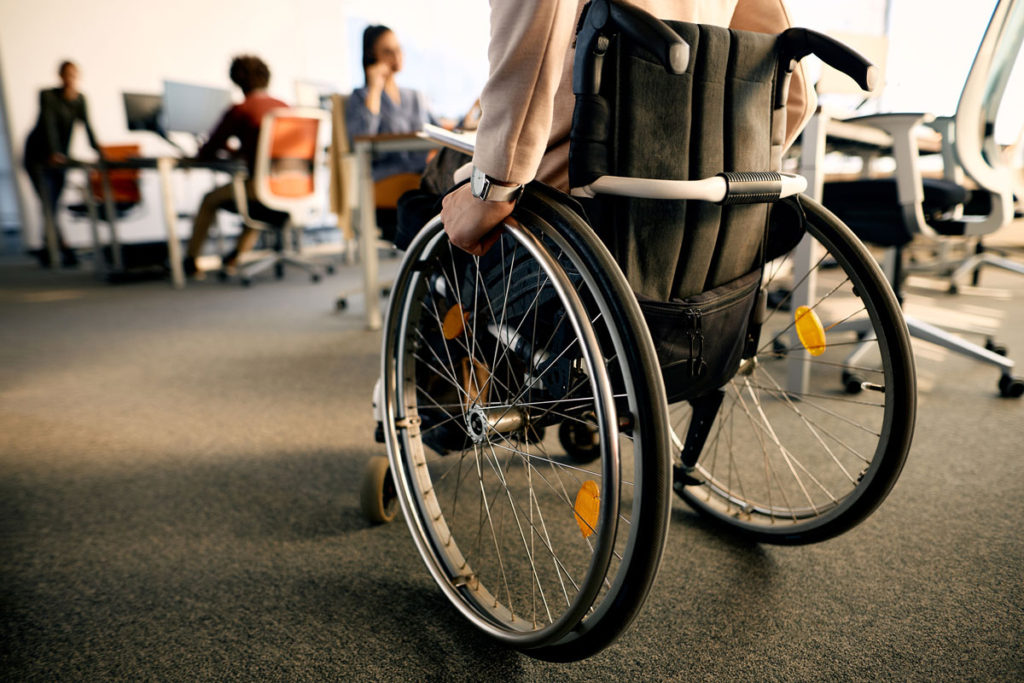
<point x="796" y="453"/>
<point x="481" y="354"/>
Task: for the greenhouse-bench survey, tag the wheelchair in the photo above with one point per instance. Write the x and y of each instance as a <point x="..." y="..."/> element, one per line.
<point x="541" y="403"/>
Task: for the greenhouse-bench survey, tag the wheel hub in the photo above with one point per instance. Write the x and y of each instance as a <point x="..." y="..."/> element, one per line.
<point x="503" y="420"/>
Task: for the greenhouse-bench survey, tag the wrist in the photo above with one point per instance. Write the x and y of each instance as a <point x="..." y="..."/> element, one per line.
<point x="486" y="188"/>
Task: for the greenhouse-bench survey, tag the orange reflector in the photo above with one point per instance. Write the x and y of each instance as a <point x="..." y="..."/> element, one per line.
<point x="810" y="330"/>
<point x="454" y="322"/>
<point x="588" y="505"/>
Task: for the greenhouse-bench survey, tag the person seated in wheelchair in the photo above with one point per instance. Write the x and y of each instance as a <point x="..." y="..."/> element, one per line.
<point x="523" y="135"/>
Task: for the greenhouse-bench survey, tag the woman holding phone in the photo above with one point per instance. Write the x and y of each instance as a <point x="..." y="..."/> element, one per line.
<point x="382" y="107"/>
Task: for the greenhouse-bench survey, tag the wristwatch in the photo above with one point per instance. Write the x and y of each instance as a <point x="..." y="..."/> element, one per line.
<point x="491" y="190"/>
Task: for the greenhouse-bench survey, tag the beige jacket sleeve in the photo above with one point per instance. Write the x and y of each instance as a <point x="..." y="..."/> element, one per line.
<point x="528" y="45"/>
<point x="527" y="101"/>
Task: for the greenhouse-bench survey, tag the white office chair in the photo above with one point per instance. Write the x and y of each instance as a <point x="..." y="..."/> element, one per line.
<point x="891" y="212"/>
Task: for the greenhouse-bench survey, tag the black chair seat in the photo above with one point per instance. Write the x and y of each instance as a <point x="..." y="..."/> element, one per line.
<point x="871" y="208"/>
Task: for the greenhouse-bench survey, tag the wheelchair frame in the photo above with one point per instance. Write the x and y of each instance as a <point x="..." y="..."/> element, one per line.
<point x="555" y="555"/>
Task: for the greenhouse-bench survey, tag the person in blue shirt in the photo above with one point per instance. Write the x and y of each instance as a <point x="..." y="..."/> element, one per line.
<point x="382" y="107"/>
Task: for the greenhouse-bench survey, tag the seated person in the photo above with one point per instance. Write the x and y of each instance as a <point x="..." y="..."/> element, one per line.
<point x="242" y="122"/>
<point x="382" y="107"/>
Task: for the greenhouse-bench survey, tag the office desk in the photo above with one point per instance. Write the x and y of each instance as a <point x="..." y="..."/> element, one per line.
<point x="165" y="166"/>
<point x="364" y="148"/>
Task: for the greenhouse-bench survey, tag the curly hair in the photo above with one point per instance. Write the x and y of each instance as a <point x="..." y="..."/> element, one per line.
<point x="249" y="73"/>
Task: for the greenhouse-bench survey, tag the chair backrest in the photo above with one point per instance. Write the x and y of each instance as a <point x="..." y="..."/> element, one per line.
<point x="982" y="95"/>
<point x="289" y="155"/>
<point x="124" y="182"/>
<point x="722" y="114"/>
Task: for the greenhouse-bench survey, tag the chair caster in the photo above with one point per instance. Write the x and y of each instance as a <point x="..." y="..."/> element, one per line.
<point x="378" y="497"/>
<point x="1011" y="387"/>
<point x="330" y="269"/>
<point x="245" y="281"/>
<point x="579" y="440"/>
<point x="991" y="345"/>
<point x="222" y="276"/>
<point x="779" y="348"/>
<point x="315" y="277"/>
<point x="385" y="292"/>
<point x="852" y="383"/>
<point x="340" y="304"/>
<point x="279" y="270"/>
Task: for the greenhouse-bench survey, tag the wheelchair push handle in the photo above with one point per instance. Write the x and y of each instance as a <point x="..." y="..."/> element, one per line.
<point x="797" y="43"/>
<point x="603" y="17"/>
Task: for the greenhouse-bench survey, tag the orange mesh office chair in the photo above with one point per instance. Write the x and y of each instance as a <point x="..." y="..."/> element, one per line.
<point x="287" y="187"/>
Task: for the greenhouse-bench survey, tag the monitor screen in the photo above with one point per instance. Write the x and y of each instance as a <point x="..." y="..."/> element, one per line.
<point x="143" y="111"/>
<point x="192" y="108"/>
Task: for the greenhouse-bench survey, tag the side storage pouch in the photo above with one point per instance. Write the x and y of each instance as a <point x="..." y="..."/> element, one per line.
<point x="700" y="339"/>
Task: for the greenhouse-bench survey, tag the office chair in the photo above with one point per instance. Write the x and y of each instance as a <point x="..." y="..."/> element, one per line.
<point x="125" y="198"/>
<point x="287" y="188"/>
<point x="891" y="212"/>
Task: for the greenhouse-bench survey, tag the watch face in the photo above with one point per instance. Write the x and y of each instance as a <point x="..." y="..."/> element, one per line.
<point x="477" y="183"/>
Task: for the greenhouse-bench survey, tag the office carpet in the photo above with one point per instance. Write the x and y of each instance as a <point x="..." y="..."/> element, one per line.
<point x="179" y="478"/>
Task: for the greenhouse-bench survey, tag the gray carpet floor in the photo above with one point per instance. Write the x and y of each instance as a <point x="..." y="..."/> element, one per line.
<point x="179" y="476"/>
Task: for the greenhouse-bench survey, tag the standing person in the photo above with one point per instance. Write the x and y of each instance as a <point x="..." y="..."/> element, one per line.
<point x="241" y="122"/>
<point x="46" y="149"/>
<point x="527" y="101"/>
<point x="381" y="106"/>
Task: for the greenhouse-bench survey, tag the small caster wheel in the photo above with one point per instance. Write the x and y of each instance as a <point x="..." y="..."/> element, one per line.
<point x="385" y="292"/>
<point x="378" y="497"/>
<point x="852" y="383"/>
<point x="954" y="289"/>
<point x="1011" y="387"/>
<point x="330" y="269"/>
<point x="340" y="304"/>
<point x="246" y="282"/>
<point x="991" y="345"/>
<point x="315" y="277"/>
<point x="222" y="276"/>
<point x="579" y="440"/>
<point x="279" y="270"/>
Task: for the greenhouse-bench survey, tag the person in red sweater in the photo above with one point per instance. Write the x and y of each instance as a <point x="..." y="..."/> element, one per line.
<point x="241" y="122"/>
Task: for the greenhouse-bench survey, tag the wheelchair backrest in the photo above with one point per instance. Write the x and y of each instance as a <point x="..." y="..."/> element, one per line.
<point x="722" y="114"/>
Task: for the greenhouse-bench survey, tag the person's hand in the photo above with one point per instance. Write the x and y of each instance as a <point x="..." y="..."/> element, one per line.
<point x="377" y="76"/>
<point x="470" y="222"/>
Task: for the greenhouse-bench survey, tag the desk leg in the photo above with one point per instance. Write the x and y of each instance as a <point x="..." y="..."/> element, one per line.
<point x="99" y="262"/>
<point x="108" y="202"/>
<point x="812" y="167"/>
<point x="368" y="238"/>
<point x="165" y="165"/>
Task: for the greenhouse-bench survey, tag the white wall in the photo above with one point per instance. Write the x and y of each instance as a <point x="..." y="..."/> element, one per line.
<point x="126" y="45"/>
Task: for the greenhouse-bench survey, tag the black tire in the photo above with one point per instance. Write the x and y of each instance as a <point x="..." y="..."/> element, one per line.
<point x="377" y="496"/>
<point x="522" y="356"/>
<point x="787" y="463"/>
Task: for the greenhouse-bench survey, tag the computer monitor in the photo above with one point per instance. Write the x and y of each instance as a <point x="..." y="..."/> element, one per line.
<point x="194" y="109"/>
<point x="143" y="111"/>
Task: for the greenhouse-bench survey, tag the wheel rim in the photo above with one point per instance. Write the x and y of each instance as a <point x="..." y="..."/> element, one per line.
<point x="521" y="564"/>
<point x="784" y="459"/>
